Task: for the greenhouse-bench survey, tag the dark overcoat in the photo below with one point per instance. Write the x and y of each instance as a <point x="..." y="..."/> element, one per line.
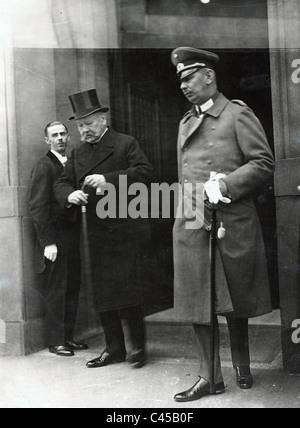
<point x="230" y="140"/>
<point x="116" y="244"/>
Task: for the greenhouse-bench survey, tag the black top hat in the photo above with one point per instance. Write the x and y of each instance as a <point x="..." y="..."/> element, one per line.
<point x="85" y="103"/>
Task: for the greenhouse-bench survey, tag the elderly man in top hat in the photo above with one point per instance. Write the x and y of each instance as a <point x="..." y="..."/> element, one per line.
<point x="221" y="144"/>
<point x="116" y="244"/>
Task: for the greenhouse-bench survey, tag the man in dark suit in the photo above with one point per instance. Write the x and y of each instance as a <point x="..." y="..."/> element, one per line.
<point x="58" y="236"/>
<point x="116" y="243"/>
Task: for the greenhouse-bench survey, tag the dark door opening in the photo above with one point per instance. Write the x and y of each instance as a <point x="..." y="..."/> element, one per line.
<point x="147" y="103"/>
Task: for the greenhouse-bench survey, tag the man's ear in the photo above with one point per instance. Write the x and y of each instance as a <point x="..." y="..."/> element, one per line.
<point x="210" y="76"/>
<point x="47" y="141"/>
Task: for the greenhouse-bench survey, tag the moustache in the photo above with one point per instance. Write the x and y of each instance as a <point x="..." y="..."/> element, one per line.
<point x="85" y="136"/>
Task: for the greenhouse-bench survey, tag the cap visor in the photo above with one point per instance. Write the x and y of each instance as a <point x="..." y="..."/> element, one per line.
<point x="188" y="72"/>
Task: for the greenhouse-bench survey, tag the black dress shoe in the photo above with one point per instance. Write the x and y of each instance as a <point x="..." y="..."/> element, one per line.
<point x="244" y="377"/>
<point x="105" y="359"/>
<point x="61" y="351"/>
<point x="138" y="359"/>
<point x="76" y="346"/>
<point x="198" y="391"/>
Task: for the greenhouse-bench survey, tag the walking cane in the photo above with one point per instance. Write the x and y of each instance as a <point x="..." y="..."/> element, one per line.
<point x="85" y="246"/>
<point x="212" y="256"/>
<point x="214" y="234"/>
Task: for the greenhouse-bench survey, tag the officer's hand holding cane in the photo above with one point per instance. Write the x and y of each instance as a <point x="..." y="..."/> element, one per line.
<point x="51" y="252"/>
<point x="213" y="189"/>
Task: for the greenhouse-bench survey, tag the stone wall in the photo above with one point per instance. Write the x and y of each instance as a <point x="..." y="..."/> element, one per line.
<point x="218" y="25"/>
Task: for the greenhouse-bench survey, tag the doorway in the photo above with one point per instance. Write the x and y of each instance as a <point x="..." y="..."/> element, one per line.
<point x="146" y="102"/>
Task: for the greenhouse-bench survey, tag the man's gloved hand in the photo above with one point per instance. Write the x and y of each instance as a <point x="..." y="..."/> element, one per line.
<point x="51" y="252"/>
<point x="213" y="189"/>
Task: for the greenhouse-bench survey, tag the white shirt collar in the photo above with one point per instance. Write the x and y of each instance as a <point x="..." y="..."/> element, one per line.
<point x="102" y="135"/>
<point x="62" y="159"/>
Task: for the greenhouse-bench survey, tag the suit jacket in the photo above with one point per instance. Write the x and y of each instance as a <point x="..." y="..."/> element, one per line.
<point x="43" y="206"/>
<point x="230" y="140"/>
<point x="115" y="243"/>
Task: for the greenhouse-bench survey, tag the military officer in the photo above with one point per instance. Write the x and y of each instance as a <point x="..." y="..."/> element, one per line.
<point x="221" y="144"/>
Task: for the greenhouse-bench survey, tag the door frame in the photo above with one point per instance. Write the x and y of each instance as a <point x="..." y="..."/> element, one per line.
<point x="284" y="34"/>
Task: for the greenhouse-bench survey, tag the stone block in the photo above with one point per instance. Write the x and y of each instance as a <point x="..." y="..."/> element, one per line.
<point x="14" y="340"/>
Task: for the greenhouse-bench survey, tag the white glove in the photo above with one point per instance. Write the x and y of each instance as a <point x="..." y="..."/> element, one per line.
<point x="212" y="189"/>
<point x="51" y="252"/>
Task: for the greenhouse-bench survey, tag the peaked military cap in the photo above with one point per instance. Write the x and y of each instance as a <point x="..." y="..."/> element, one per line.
<point x="191" y="59"/>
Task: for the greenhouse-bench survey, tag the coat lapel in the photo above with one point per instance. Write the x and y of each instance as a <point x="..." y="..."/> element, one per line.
<point x="191" y="122"/>
<point x="58" y="165"/>
<point x="89" y="158"/>
<point x="188" y="128"/>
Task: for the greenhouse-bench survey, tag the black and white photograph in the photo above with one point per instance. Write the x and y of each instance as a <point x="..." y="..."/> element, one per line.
<point x="149" y="206"/>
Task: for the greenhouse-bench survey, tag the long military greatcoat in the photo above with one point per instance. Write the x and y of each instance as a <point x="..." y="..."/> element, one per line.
<point x="116" y="244"/>
<point x="230" y="140"/>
